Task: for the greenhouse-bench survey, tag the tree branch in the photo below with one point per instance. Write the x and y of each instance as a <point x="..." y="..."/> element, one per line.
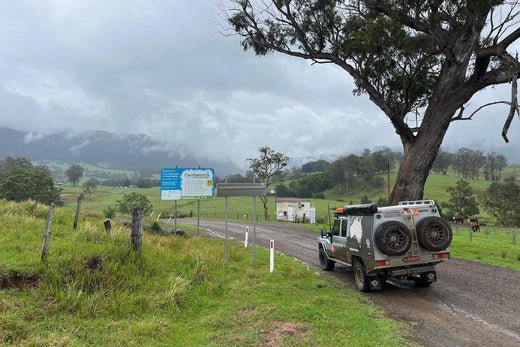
<point x="512" y="110"/>
<point x="470" y="117"/>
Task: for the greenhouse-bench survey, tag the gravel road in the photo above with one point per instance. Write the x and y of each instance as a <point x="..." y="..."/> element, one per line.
<point x="470" y="305"/>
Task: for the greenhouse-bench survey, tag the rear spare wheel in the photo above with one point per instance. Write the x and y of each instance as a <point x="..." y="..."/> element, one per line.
<point x="434" y="233"/>
<point x="393" y="238"/>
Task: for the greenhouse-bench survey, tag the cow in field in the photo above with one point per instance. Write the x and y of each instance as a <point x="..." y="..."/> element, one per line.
<point x="474" y="224"/>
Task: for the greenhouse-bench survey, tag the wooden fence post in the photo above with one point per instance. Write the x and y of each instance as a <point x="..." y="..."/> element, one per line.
<point x="78" y="208"/>
<point x="47" y="234"/>
<point x="137" y="229"/>
<point x="514" y="237"/>
<point x="108" y="226"/>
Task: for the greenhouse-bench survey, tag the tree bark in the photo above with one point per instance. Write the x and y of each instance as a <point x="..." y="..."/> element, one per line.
<point x="266" y="207"/>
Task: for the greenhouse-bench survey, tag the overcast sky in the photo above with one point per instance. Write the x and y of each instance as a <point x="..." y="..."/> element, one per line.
<point x="162" y="68"/>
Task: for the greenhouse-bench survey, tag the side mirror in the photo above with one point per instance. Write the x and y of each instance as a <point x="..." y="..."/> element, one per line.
<point x="323" y="233"/>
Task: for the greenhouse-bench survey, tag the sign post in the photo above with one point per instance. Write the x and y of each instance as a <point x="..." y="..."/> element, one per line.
<point x="240" y="189"/>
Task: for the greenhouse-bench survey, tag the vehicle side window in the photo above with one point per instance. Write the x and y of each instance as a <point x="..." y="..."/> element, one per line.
<point x="336" y="227"/>
<point x="344" y="224"/>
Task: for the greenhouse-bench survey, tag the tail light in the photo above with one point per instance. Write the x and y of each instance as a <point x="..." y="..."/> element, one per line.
<point x="382" y="262"/>
<point x="440" y="256"/>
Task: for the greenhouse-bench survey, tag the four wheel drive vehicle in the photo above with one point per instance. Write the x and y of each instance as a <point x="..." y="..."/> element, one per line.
<point x="401" y="242"/>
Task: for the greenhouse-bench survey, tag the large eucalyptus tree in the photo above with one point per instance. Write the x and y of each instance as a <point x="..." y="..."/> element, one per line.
<point x="411" y="57"/>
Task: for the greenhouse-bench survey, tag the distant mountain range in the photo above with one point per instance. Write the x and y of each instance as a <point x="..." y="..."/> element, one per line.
<point x="126" y="151"/>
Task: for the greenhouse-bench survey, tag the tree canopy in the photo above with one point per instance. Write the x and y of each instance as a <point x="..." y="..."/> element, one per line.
<point x="269" y="165"/>
<point x="462" y="200"/>
<point x="74" y="173"/>
<point x="20" y="180"/>
<point x="501" y="201"/>
<point x="426" y="58"/>
<point x="132" y="201"/>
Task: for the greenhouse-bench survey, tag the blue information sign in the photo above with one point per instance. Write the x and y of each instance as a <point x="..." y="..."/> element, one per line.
<point x="178" y="183"/>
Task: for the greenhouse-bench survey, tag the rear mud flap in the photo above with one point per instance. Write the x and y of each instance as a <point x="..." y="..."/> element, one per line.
<point x="375" y="282"/>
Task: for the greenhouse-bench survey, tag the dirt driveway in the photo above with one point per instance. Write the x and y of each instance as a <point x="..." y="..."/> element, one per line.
<point x="470" y="305"/>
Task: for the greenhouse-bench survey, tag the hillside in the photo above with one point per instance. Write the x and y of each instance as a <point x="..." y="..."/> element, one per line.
<point x="120" y="151"/>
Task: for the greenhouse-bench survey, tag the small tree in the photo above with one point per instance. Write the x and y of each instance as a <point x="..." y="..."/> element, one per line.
<point x="110" y="212"/>
<point x="74" y="173"/>
<point x="132" y="201"/>
<point x="501" y="201"/>
<point x="90" y="186"/>
<point x="462" y="201"/>
<point x="268" y="166"/>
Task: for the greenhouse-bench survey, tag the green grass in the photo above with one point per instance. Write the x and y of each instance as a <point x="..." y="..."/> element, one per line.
<point x="93" y="290"/>
<point x="491" y="245"/>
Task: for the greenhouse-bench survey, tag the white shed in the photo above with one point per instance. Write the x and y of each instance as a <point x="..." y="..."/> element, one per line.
<point x="297" y="211"/>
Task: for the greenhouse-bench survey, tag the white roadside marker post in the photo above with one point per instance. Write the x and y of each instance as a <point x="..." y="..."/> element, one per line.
<point x="271" y="256"/>
<point x="246" y="237"/>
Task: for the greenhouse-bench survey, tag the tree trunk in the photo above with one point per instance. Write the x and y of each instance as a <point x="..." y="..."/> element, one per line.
<point x="420" y="153"/>
<point x="266" y="207"/>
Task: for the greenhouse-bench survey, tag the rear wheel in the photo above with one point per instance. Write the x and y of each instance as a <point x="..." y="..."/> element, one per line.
<point x="325" y="262"/>
<point x="361" y="277"/>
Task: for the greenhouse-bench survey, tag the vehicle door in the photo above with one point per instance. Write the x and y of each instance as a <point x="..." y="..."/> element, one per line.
<point x="339" y="238"/>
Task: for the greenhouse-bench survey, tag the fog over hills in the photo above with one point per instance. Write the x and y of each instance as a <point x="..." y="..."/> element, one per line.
<point x="122" y="151"/>
<point x="141" y="152"/>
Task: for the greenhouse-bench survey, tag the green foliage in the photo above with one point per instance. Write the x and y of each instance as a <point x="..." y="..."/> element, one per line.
<point x="501" y="201"/>
<point x="462" y="200"/>
<point x="20" y="180"/>
<point x="308" y="186"/>
<point x="315" y="166"/>
<point x="382" y="202"/>
<point x="443" y="161"/>
<point x="132" y="201"/>
<point x="269" y="165"/>
<point x="365" y="200"/>
<point x="110" y="212"/>
<point x="354" y="171"/>
<point x="90" y="186"/>
<point x="156" y="228"/>
<point x="74" y="173"/>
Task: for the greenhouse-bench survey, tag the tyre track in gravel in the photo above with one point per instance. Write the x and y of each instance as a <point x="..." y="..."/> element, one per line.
<point x="471" y="304"/>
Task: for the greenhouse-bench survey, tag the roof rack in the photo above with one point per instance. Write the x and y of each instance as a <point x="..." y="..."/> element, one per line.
<point x="417" y="202"/>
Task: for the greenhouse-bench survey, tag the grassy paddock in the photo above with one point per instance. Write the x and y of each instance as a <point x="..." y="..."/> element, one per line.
<point x="435" y="189"/>
<point x="94" y="290"/>
<point x="491" y="245"/>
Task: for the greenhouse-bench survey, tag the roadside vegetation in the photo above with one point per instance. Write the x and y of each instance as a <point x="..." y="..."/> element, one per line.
<point x="94" y="290"/>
